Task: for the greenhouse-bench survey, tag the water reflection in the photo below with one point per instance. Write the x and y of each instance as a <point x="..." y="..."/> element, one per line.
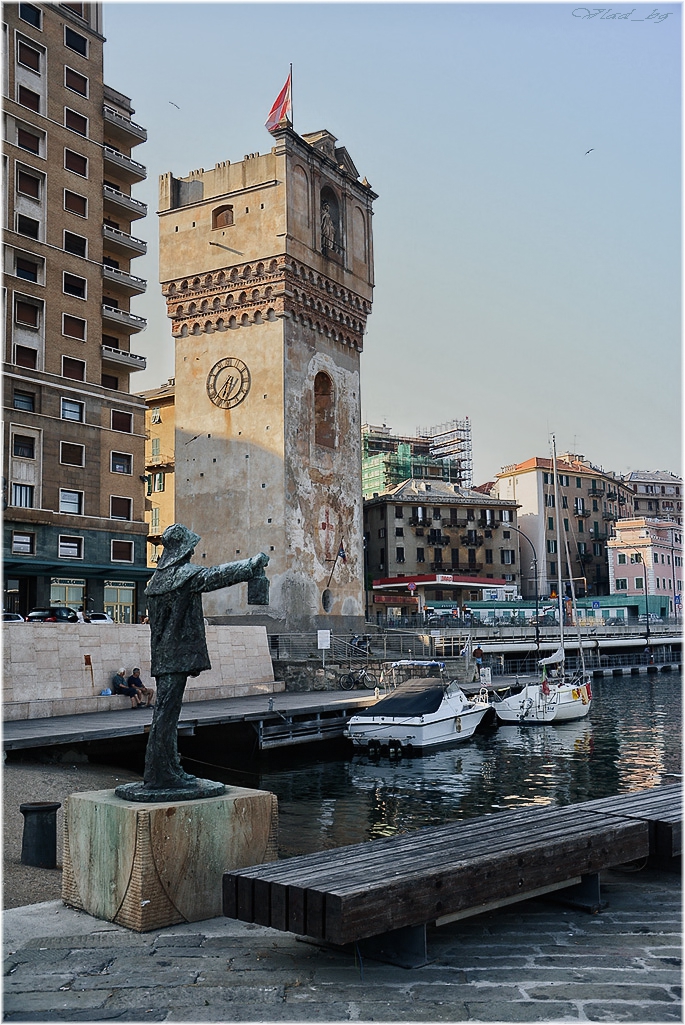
<point x="632" y="739"/>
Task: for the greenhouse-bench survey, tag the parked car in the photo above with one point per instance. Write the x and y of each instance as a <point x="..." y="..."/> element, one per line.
<point x="58" y="614"/>
<point x="99" y="617"/>
<point x="12" y="617"/>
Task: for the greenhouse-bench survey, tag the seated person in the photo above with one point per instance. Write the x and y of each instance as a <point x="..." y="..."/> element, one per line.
<point x="135" y="681"/>
<point x="120" y="686"/>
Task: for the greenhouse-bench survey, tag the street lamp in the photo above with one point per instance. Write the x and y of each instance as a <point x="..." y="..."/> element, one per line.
<point x="510" y="526"/>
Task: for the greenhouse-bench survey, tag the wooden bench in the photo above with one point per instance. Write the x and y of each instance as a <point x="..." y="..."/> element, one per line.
<point x="662" y="809"/>
<point x="384" y="892"/>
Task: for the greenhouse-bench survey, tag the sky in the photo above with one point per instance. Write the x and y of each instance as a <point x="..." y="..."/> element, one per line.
<point x="521" y="280"/>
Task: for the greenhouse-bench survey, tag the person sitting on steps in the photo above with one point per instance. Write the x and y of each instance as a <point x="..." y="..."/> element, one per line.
<point x="120" y="686"/>
<point x="135" y="681"/>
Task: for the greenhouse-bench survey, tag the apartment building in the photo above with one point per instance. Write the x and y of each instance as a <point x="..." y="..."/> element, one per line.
<point x="646" y="560"/>
<point x="74" y="529"/>
<point x="592" y="500"/>
<point x="430" y="541"/>
<point x="160" y="462"/>
<point x="658" y="494"/>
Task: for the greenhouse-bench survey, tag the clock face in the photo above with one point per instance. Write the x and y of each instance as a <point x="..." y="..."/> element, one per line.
<point x="228" y="382"/>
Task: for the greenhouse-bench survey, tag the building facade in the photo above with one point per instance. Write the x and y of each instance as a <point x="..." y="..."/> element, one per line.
<point x="436" y="453"/>
<point x="592" y="501"/>
<point x="452" y="544"/>
<point x="645" y="560"/>
<point x="159" y="479"/>
<point x="658" y="494"/>
<point x="267" y="269"/>
<point x="74" y="530"/>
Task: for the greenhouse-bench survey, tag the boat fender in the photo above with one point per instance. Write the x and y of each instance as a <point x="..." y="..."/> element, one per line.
<point x="457" y="724"/>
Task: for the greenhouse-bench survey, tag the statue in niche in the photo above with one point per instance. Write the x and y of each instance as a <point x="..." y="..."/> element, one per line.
<point x="327" y="228"/>
<point x="179" y="650"/>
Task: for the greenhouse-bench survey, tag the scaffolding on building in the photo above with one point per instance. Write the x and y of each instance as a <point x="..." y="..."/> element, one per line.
<point x="451" y="442"/>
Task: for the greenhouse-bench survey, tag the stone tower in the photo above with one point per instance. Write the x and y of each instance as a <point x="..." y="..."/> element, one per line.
<point x="267" y="270"/>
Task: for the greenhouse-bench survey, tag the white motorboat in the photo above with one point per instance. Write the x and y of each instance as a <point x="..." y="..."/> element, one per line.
<point x="419" y="715"/>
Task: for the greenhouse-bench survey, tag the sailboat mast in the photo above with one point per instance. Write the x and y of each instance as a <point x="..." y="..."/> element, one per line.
<point x="557" y="520"/>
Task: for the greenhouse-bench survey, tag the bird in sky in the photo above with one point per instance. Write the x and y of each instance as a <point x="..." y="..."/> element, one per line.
<point x="174" y="104"/>
<point x="591" y="150"/>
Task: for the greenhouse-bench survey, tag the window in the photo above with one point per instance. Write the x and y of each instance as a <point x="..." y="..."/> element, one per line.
<point x="70" y="547"/>
<point x="75" y="204"/>
<point x="25" y="400"/>
<point x="399" y="531"/>
<point x="28" y="269"/>
<point x="639" y="584"/>
<point x="26" y="313"/>
<point x="564" y="502"/>
<point x="75" y="244"/>
<point x="399" y="512"/>
<point x="550" y="523"/>
<point x="120" y="508"/>
<point x="75" y="9"/>
<point x="436" y="514"/>
<point x="420" y="555"/>
<point x="565" y="523"/>
<point x="22" y="496"/>
<point x="28" y="226"/>
<point x="73" y="285"/>
<point x="156" y="417"/>
<point x="122" y="421"/>
<point x="156" y="443"/>
<point x="563" y="480"/>
<point x="121" y="462"/>
<point x="23" y="544"/>
<point x="76" y="163"/>
<point x="222" y="217"/>
<point x="621" y="584"/>
<point x="28" y="56"/>
<point x="122" y="551"/>
<point x="27" y="12"/>
<point x="579" y="482"/>
<point x="73" y="327"/>
<point x="508" y="557"/>
<point x="506" y="515"/>
<point x="621" y="559"/>
<point x="28" y="140"/>
<point x="581" y="528"/>
<point x="158" y="482"/>
<point x="552" y="568"/>
<point x="72" y="455"/>
<point x="24" y="446"/>
<point x="551" y="547"/>
<point x="25" y="357"/>
<point x="381" y="532"/>
<point x="637" y="557"/>
<point x="29" y="184"/>
<point x="154" y="518"/>
<point x="72" y="410"/>
<point x="581" y="548"/>
<point x="399" y="553"/>
<point x="75" y="369"/>
<point x="488" y="555"/>
<point x="29" y="99"/>
<point x="324" y="411"/>
<point x="75" y="41"/>
<point x="596" y="548"/>
<point x="109" y="381"/>
<point x="71" y="502"/>
<point x="76" y="122"/>
<point x="77" y="83"/>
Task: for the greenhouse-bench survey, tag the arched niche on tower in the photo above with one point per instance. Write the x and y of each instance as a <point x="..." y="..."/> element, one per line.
<point x="330" y="226"/>
<point x="324" y="410"/>
<point x="301" y="198"/>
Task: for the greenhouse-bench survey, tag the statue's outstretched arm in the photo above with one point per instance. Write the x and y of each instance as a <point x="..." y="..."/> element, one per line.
<point x="215" y="577"/>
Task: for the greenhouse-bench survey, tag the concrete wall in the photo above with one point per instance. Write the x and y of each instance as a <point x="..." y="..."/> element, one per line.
<point x="45" y="669"/>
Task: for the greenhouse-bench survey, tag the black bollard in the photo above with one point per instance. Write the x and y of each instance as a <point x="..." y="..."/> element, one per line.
<point x="39" y="842"/>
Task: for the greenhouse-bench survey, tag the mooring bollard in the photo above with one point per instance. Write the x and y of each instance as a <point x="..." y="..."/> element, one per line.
<point x="39" y="841"/>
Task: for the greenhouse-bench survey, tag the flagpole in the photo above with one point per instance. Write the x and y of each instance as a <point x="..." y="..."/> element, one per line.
<point x="340" y="548"/>
<point x="292" y="109"/>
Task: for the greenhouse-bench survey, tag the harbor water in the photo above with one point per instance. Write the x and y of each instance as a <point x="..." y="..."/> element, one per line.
<point x="631" y="740"/>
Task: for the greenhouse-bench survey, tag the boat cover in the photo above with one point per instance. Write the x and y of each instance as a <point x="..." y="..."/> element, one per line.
<point x="415" y="697"/>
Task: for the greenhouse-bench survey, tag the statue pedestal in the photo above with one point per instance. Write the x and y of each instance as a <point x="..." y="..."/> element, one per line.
<point x="147" y="866"/>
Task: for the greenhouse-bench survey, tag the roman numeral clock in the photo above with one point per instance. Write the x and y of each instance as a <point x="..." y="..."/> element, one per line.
<point x="228" y="382"/>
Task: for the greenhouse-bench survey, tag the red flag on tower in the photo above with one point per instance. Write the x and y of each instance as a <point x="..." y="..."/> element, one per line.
<point x="280" y="113"/>
<point x="341" y="552"/>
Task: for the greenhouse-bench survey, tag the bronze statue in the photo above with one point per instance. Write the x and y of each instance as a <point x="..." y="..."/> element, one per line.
<point x="179" y="650"/>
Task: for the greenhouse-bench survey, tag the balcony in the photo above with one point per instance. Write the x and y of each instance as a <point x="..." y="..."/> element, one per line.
<point x="438" y="540"/>
<point x="121" y="243"/>
<point x="585" y="557"/>
<point x="608" y="515"/>
<point x="122" y="358"/>
<point x="122" y="166"/>
<point x="596" y="491"/>
<point x="454" y="523"/>
<point x="118" y="203"/>
<point x="582" y="512"/>
<point x="160" y="462"/>
<point x="122" y="282"/>
<point x="599" y="535"/>
<point x="124" y="321"/>
<point x="612" y="496"/>
<point x="468" y="542"/>
<point x="122" y="129"/>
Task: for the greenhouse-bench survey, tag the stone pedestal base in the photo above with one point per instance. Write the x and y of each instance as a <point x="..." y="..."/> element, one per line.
<point x="147" y="866"/>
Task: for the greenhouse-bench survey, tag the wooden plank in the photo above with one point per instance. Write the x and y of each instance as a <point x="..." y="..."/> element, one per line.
<point x="278" y="901"/>
<point x="355" y="915"/>
<point x="245" y="902"/>
<point x="261" y="895"/>
<point x="229" y="895"/>
<point x="504" y="902"/>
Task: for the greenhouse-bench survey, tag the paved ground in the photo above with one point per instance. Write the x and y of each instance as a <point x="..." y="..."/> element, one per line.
<point x="531" y="962"/>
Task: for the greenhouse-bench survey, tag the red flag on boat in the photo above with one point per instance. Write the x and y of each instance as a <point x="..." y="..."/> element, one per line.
<point x="279" y="115"/>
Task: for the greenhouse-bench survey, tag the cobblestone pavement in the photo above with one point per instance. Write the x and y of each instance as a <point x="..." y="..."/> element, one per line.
<point x="531" y="962"/>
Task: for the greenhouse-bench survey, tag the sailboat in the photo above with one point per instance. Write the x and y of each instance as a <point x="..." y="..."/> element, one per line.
<point x="556" y="697"/>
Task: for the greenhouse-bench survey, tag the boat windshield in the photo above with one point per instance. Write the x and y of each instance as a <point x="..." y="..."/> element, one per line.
<point x="415" y="697"/>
